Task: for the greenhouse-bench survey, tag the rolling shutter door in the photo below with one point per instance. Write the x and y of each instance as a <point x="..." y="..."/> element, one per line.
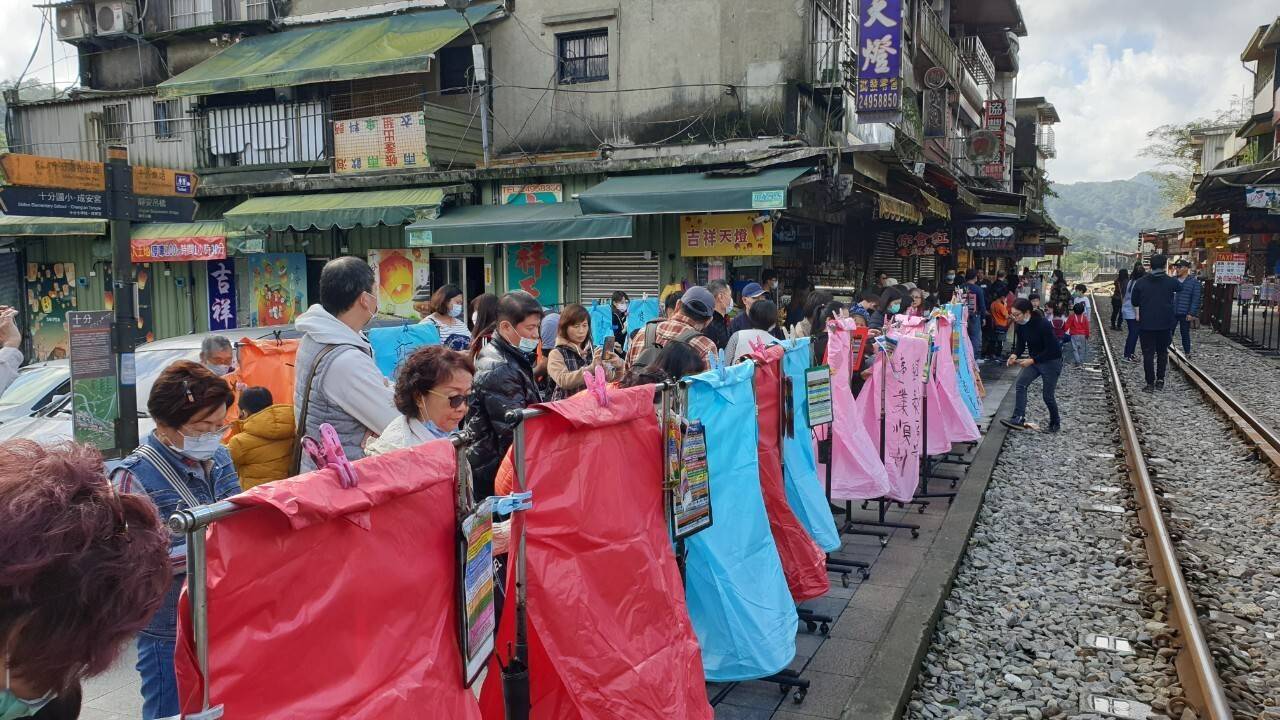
<point x="886" y="257"/>
<point x="601" y="273"/>
<point x="927" y="268"/>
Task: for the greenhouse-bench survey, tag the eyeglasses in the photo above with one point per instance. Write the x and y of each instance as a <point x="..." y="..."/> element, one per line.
<point x="455" y="401"/>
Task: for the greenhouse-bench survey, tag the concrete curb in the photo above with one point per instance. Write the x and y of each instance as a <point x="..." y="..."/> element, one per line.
<point x="885" y="691"/>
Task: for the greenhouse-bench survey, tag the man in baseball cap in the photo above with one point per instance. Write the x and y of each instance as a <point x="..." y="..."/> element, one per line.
<point x="751" y="292"/>
<point x="686" y="324"/>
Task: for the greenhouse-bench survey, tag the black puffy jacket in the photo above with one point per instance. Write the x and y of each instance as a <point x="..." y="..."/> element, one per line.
<point x="504" y="382"/>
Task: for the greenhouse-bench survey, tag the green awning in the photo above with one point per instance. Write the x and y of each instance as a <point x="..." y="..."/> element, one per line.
<point x="177" y="231"/>
<point x="24" y="225"/>
<point x="691" y="193"/>
<point x="341" y="210"/>
<point x="329" y="52"/>
<point x="494" y="224"/>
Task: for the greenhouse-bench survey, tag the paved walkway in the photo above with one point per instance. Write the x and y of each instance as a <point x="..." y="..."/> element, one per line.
<point x="836" y="665"/>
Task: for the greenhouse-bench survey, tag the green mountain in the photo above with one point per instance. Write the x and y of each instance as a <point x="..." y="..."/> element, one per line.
<point x="1108" y="215"/>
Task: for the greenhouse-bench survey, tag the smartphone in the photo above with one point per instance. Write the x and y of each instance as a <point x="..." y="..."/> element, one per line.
<point x="609" y="342"/>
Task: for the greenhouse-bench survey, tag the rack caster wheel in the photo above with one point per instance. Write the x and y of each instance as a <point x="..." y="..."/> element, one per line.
<point x="866" y="574"/>
<point x="799" y="696"/>
<point x="884" y="542"/>
<point x="915" y="533"/>
<point x="844" y="580"/>
<point x="810" y="626"/>
<point x="921" y="510"/>
<point x="824" y="629"/>
<point x="953" y="484"/>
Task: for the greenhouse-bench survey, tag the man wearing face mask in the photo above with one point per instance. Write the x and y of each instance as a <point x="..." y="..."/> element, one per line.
<point x="180" y="465"/>
<point x="504" y="382"/>
<point x="337" y="381"/>
<point x="217" y="355"/>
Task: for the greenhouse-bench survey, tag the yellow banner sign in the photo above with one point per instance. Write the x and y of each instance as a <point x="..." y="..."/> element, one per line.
<point x="164" y="182"/>
<point x="727" y="235"/>
<point x="38" y="171"/>
<point x="1204" y="229"/>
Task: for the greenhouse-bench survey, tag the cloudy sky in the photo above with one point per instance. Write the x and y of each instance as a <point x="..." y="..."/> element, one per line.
<point x="1113" y="68"/>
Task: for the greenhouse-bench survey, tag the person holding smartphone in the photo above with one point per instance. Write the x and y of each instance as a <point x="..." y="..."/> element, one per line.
<point x="574" y="355"/>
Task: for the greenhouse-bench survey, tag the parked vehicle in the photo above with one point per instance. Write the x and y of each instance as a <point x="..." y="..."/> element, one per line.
<point x="38" y="385"/>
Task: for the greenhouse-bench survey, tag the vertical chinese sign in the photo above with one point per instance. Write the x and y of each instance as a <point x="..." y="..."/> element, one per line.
<point x="222" y="294"/>
<point x="51" y="294"/>
<point x="277" y="289"/>
<point x="94" y="407"/>
<point x="880" y="52"/>
<point x="995" y="122"/>
<point x="535" y="268"/>
<point x="381" y="142"/>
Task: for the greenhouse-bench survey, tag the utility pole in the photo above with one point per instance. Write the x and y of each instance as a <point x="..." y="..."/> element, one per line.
<point x="479" y="67"/>
<point x="125" y="325"/>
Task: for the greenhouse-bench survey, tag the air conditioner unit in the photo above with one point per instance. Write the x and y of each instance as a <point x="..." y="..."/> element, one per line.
<point x="115" y="17"/>
<point x="74" y="22"/>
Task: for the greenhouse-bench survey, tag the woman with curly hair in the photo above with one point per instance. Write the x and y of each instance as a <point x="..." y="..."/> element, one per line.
<point x="94" y="577"/>
<point x="181" y="464"/>
<point x="432" y="395"/>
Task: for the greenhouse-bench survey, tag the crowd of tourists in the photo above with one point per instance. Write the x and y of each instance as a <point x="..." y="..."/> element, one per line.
<point x="501" y="353"/>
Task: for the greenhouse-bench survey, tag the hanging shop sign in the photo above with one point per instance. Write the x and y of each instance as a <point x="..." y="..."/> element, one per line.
<point x="1265" y="197"/>
<point x="380" y="142"/>
<point x="532" y="194"/>
<point x="1229" y="268"/>
<point x="536" y="269"/>
<point x="924" y="243"/>
<point x="179" y="249"/>
<point x="726" y="235"/>
<point x="164" y="182"/>
<point x="37" y="171"/>
<point x="53" y="187"/>
<point x="1030" y="250"/>
<point x="880" y="51"/>
<point x="1202" y="230"/>
<point x="935" y="111"/>
<point x="222" y="294"/>
<point x="991" y="237"/>
<point x="994" y="121"/>
<point x="397" y="276"/>
<point x="277" y="288"/>
<point x="94" y="407"/>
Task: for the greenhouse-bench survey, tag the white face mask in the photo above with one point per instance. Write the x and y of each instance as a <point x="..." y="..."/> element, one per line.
<point x="620" y="307"/>
<point x="455" y="311"/>
<point x="201" y="447"/>
<point x="219" y="370"/>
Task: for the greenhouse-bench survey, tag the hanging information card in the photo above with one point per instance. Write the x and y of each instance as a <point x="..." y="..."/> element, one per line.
<point x="818" y="389"/>
<point x="691" y="501"/>
<point x="476" y="619"/>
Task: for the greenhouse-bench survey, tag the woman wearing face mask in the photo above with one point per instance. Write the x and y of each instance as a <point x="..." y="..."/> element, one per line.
<point x="573" y="354"/>
<point x="621" y="303"/>
<point x="890" y="305"/>
<point x="82" y="570"/>
<point x="180" y="465"/>
<point x="504" y="382"/>
<point x="917" y="303"/>
<point x="445" y="314"/>
<point x="432" y="392"/>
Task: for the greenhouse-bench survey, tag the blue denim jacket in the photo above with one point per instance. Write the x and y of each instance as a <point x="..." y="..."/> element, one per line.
<point x="208" y="482"/>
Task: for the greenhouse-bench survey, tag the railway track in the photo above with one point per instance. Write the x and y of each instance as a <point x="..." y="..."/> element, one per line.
<point x="1203" y="507"/>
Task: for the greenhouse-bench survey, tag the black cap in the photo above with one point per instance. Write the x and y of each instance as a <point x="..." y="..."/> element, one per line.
<point x="698" y="303"/>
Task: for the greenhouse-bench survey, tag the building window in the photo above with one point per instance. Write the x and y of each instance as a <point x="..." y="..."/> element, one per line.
<point x="185" y="14"/>
<point x="115" y="122"/>
<point x="456" y="69"/>
<point x="584" y="56"/>
<point x="167" y="114"/>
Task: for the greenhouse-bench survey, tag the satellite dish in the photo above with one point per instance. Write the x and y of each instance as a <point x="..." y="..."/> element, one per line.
<point x="982" y="146"/>
<point x="935" y="78"/>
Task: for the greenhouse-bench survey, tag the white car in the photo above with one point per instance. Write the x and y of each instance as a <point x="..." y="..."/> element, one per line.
<point x="37" y="386"/>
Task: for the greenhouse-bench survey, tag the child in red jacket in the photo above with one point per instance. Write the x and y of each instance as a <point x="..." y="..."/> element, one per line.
<point x="1078" y="328"/>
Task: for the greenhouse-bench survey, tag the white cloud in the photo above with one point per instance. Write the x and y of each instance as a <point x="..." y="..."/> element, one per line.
<point x="22" y="24"/>
<point x="1115" y="69"/>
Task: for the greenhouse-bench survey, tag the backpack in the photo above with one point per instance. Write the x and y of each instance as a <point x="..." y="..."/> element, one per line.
<point x="652" y="347"/>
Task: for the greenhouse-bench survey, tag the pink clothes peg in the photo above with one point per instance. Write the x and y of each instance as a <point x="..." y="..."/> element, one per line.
<point x="597" y="385"/>
<point x="328" y="452"/>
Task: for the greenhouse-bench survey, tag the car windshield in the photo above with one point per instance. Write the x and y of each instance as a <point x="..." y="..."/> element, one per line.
<point x="32" y="384"/>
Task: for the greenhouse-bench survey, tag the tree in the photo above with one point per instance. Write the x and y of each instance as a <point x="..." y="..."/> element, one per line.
<point x="1178" y="156"/>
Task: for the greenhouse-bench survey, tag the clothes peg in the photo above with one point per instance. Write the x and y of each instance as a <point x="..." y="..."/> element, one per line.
<point x="329" y="453"/>
<point x="507" y="504"/>
<point x="597" y="385"/>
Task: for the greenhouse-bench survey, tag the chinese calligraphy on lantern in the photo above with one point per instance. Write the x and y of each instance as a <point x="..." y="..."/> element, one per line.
<point x="880" y="46"/>
<point x="904" y="412"/>
<point x="380" y="142"/>
<point x="726" y="234"/>
<point x="222" y="294"/>
<point x="535" y="268"/>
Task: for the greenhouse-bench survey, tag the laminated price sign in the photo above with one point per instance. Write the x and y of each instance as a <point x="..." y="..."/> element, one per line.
<point x="1228" y="269"/>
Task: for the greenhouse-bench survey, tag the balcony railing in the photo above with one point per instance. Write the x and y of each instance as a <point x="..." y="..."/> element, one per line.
<point x="1046" y="142"/>
<point x="281" y="134"/>
<point x="957" y="147"/>
<point x="974" y="55"/>
<point x="829" y="48"/>
<point x="937" y="41"/>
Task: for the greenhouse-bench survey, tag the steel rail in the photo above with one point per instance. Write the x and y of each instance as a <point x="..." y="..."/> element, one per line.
<point x="1194" y="662"/>
<point x="1255" y="431"/>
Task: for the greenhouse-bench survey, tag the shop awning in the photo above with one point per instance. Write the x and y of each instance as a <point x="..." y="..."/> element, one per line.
<point x="679" y="193"/>
<point x="178" y="242"/>
<point x="340" y="210"/>
<point x="494" y="224"/>
<point x="24" y="225"/>
<point x="889" y="207"/>
<point x="329" y="52"/>
<point x="933" y="206"/>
